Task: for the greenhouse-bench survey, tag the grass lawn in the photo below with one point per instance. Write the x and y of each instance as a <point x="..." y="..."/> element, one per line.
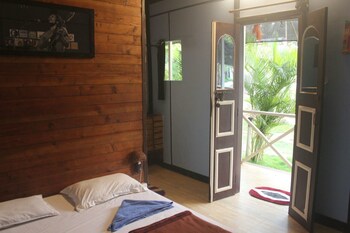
<point x="276" y="162"/>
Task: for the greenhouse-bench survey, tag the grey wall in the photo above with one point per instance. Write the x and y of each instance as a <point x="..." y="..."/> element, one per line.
<point x="187" y="106"/>
<point x="190" y="98"/>
<point x="333" y="186"/>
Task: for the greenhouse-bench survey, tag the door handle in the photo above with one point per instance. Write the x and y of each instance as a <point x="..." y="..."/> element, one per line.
<point x="219" y="96"/>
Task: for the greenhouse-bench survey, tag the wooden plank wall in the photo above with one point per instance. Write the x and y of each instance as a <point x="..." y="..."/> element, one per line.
<point x="63" y="120"/>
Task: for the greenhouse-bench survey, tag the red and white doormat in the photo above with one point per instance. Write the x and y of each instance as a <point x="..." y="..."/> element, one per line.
<point x="273" y="195"/>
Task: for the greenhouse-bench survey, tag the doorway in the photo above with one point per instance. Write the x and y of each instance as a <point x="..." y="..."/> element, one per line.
<point x="269" y="94"/>
<point x="308" y="95"/>
<point x="277" y="43"/>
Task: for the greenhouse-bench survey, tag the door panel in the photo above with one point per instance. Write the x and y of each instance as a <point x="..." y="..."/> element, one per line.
<point x="223" y="172"/>
<point x="226" y="110"/>
<point x="306" y="128"/>
<point x="300" y="201"/>
<point x="223" y="163"/>
<point x="309" y="107"/>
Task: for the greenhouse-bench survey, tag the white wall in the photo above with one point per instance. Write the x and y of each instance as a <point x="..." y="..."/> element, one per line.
<point x="190" y="98"/>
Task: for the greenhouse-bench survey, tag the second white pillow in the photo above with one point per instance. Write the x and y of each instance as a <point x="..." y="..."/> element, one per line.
<point x="88" y="193"/>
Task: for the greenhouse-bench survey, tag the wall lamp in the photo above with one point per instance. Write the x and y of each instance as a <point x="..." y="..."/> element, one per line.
<point x="138" y="160"/>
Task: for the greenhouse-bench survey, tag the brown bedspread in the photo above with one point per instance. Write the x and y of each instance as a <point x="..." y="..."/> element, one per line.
<point x="184" y="222"/>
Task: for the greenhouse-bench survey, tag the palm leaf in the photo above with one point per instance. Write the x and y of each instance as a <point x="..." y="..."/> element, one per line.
<point x="268" y="81"/>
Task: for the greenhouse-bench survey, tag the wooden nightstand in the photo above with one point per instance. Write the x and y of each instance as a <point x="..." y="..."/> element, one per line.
<point x="156" y="190"/>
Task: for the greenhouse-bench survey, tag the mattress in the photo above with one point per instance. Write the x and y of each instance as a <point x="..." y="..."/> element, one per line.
<point x="96" y="219"/>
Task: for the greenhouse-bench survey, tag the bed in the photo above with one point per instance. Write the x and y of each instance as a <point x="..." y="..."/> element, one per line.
<point x="98" y="217"/>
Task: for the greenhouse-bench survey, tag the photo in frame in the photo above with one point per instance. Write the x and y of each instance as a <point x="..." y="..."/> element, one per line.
<point x="45" y="29"/>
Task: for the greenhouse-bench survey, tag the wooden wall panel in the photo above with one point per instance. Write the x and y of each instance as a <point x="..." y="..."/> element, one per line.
<point x="63" y="120"/>
<point x="154" y="130"/>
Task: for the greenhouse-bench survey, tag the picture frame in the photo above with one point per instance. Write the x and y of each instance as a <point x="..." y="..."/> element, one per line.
<point x="45" y="29"/>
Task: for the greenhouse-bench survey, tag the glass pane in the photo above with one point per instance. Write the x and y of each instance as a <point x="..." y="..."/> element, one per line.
<point x="224" y="63"/>
<point x="173" y="61"/>
<point x="309" y="61"/>
<point x="176" y="61"/>
<point x="279" y="31"/>
<point x="167" y="54"/>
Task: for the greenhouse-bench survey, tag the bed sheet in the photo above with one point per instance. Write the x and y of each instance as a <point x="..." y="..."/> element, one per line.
<point x="96" y="219"/>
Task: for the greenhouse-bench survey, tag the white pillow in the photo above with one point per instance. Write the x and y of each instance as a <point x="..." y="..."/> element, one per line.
<point x="88" y="193"/>
<point x="23" y="210"/>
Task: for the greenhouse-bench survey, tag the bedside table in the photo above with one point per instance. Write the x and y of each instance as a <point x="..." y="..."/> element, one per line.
<point x="156" y="190"/>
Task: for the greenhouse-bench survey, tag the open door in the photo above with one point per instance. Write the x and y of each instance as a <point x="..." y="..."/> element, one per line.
<point x="308" y="118"/>
<point x="224" y="168"/>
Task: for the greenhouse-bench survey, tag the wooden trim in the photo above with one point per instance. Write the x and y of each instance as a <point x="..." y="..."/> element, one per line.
<point x="261" y="6"/>
<point x="269" y="144"/>
<point x="144" y="86"/>
<point x="255" y="112"/>
<point x="212" y="110"/>
<point x="170" y="100"/>
<point x="266" y="140"/>
<point x="149" y="59"/>
<point x="185" y="172"/>
<point x="238" y="77"/>
<point x="237" y="5"/>
<point x="285" y="15"/>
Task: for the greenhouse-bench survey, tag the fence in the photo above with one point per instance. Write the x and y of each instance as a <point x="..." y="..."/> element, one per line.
<point x="269" y="143"/>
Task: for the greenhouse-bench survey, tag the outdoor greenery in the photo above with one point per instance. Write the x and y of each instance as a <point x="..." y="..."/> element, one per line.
<point x="284" y="146"/>
<point x="270" y="74"/>
<point x="173" y="50"/>
<point x="274" y="162"/>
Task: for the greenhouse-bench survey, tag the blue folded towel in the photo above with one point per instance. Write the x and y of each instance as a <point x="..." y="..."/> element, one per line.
<point x="133" y="210"/>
